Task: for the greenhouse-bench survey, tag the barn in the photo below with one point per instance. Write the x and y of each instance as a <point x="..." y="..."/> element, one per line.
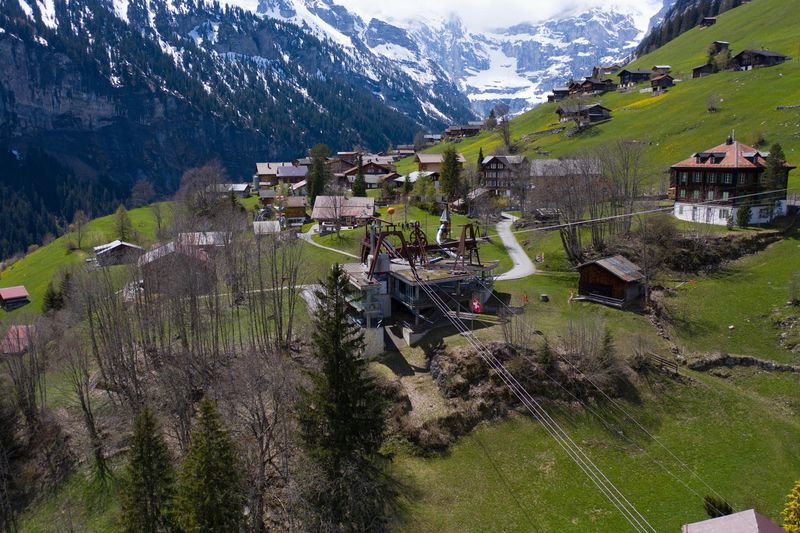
<point x="613" y="281"/>
<point x="13" y="297"/>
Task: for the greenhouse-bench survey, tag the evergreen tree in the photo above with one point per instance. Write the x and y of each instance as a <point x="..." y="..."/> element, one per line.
<point x="743" y="215"/>
<point x="450" y="179"/>
<point x="148" y="487"/>
<point x="359" y="185"/>
<point x="209" y="492"/>
<point x="318" y="173"/>
<point x="123" y="228"/>
<point x="342" y="422"/>
<point x="52" y="300"/>
<point x="480" y="157"/>
<point x="775" y="175"/>
<point x="791" y="513"/>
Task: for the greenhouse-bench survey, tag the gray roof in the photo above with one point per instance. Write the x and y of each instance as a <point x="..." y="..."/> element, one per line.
<point x="765" y="53"/>
<point x="744" y="522"/>
<point x="562" y="167"/>
<point x="511" y="160"/>
<point x="619" y="267"/>
<point x="292" y="172"/>
<point x="267" y="227"/>
<point x="103" y="248"/>
<point x="269" y="169"/>
<point x="579" y="108"/>
<point x="332" y="207"/>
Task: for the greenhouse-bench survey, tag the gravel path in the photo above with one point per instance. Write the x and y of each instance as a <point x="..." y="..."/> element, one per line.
<point x="523" y="266"/>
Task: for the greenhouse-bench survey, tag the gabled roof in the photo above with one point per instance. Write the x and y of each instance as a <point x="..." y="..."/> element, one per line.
<point x="269" y="169"/>
<point x="733" y="155"/>
<point x="634" y="71"/>
<point x="552" y="168"/>
<point x="296" y="201"/>
<point x="579" y="108"/>
<point x="292" y="172"/>
<point x="744" y="522"/>
<point x="331" y="207"/>
<point x="619" y="267"/>
<point x="17" y="340"/>
<point x="427" y="159"/>
<point x="662" y="77"/>
<point x="765" y="53"/>
<point x="299" y="185"/>
<point x="14" y="293"/>
<point x="508" y="160"/>
<point x="267" y="227"/>
<point x="103" y="248"/>
<point x="662" y="67"/>
<point x="169" y="249"/>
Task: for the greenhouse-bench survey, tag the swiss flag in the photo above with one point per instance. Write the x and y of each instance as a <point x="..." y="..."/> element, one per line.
<point x="476" y="305"/>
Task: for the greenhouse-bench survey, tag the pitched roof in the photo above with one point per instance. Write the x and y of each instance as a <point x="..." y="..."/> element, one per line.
<point x="662" y="77"/>
<point x="571" y="109"/>
<point x="14" y="293"/>
<point x="103" y="248"/>
<point x="17" y="340"/>
<point x="297" y="201"/>
<point x="510" y="160"/>
<point x="331" y="207"/>
<point x="299" y="185"/>
<point x="634" y="71"/>
<point x="744" y="522"/>
<point x="267" y="227"/>
<point x="562" y="167"/>
<point x="765" y="53"/>
<point x="427" y="159"/>
<point x="269" y="169"/>
<point x="292" y="172"/>
<point x="169" y="249"/>
<point x="733" y="155"/>
<point x="619" y="267"/>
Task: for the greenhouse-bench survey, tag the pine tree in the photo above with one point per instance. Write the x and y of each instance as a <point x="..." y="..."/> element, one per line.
<point x="450" y="179"/>
<point x="209" y="492"/>
<point x="148" y="487"/>
<point x="123" y="228"/>
<point x="480" y="157"/>
<point x="318" y="173"/>
<point x="342" y="422"/>
<point x="791" y="513"/>
<point x="359" y="185"/>
<point x="743" y="215"/>
<point x="776" y="175"/>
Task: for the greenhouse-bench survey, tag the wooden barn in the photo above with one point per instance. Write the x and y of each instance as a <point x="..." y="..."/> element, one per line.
<point x="613" y="281"/>
<point x="13" y="297"/>
<point x="117" y="253"/>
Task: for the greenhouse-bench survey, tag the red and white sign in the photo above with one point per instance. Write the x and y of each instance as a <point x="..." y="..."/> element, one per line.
<point x="476" y="305"/>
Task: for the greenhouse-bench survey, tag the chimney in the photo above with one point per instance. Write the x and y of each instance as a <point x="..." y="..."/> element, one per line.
<point x="729" y="140"/>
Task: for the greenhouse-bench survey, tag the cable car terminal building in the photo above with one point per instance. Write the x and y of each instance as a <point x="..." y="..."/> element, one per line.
<point x="403" y="281"/>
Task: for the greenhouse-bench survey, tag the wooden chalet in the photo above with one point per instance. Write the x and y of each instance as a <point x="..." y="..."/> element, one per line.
<point x="708" y="21"/>
<point x="703" y="70"/>
<point x="603" y="72"/>
<point x="295" y="210"/>
<point x="433" y="138"/>
<point x="717" y="47"/>
<point x="117" y="253"/>
<point x="456" y="133"/>
<point x="14" y="297"/>
<point x="660" y="70"/>
<point x="750" y="59"/>
<point x="548" y="176"/>
<point x="500" y="173"/>
<point x="630" y="77"/>
<point x="343" y="210"/>
<point x="267" y="173"/>
<point x="613" y="281"/>
<point x="710" y="185"/>
<point x="559" y="93"/>
<point x="17" y="340"/>
<point x="583" y="113"/>
<point x="176" y="268"/>
<point x="596" y="86"/>
<point x="433" y="162"/>
<point x="268" y="196"/>
<point x="662" y="82"/>
<point x="292" y="174"/>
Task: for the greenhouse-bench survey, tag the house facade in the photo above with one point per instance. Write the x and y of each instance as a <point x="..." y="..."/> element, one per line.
<point x="711" y="186"/>
<point x="501" y="173"/>
<point x="750" y="59"/>
<point x="583" y="114"/>
<point x="613" y="281"/>
<point x="629" y="77"/>
<point x="433" y="162"/>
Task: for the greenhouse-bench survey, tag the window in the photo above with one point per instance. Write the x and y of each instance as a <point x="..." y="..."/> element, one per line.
<point x="680" y="209"/>
<point x="727" y="178"/>
<point x="712" y="177"/>
<point x="710" y="195"/>
<point x="695" y="195"/>
<point x="764" y="212"/>
<point x="684" y="177"/>
<point x="697" y="177"/>
<point x="724" y="213"/>
<point x="725" y="195"/>
<point x="742" y="179"/>
<point x="683" y="193"/>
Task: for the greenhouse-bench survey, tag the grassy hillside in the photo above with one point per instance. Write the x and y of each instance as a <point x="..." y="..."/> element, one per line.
<point x="677" y="123"/>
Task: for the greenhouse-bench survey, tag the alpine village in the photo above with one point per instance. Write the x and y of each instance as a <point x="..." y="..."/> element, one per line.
<point x="330" y="266"/>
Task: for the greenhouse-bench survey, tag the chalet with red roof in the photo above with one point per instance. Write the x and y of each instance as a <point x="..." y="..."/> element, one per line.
<point x="13" y="297"/>
<point x="710" y="186"/>
<point x="17" y="340"/>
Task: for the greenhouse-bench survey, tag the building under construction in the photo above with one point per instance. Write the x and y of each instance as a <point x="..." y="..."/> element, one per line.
<point x="405" y="281"/>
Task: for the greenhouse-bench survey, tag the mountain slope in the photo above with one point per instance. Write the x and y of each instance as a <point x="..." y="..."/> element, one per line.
<point x="677" y="123"/>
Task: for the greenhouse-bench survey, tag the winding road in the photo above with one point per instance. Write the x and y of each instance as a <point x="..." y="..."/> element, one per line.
<point x="523" y="266"/>
<point x="315" y="229"/>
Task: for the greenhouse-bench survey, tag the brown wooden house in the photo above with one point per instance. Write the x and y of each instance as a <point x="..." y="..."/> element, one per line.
<point x="501" y="173"/>
<point x="750" y="59"/>
<point x="584" y="114"/>
<point x="613" y="281"/>
<point x="662" y="83"/>
<point x="708" y="21"/>
<point x="13" y="297"/>
<point x="703" y="70"/>
<point x="629" y="77"/>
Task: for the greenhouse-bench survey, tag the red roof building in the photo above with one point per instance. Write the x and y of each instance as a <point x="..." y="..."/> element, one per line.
<point x="710" y="186"/>
<point x="13" y="297"/>
<point x="17" y="340"/>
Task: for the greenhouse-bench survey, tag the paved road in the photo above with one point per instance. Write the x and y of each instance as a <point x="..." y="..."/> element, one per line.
<point x="315" y="229"/>
<point x="523" y="266"/>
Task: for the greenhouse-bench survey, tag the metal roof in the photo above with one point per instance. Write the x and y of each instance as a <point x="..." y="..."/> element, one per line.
<point x="744" y="522"/>
<point x="13" y="293"/>
<point x="619" y="267"/>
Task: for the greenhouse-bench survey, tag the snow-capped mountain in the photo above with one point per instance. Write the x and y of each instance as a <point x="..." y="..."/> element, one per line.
<point x="518" y="65"/>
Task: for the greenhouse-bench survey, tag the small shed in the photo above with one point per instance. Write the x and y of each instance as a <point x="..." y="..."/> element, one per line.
<point x="613" y="281"/>
<point x="660" y="83"/>
<point x="708" y="21"/>
<point x="702" y="70"/>
<point x="14" y="297"/>
<point x="117" y="253"/>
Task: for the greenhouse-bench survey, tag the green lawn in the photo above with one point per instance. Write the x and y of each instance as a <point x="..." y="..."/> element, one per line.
<point x="36" y="269"/>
